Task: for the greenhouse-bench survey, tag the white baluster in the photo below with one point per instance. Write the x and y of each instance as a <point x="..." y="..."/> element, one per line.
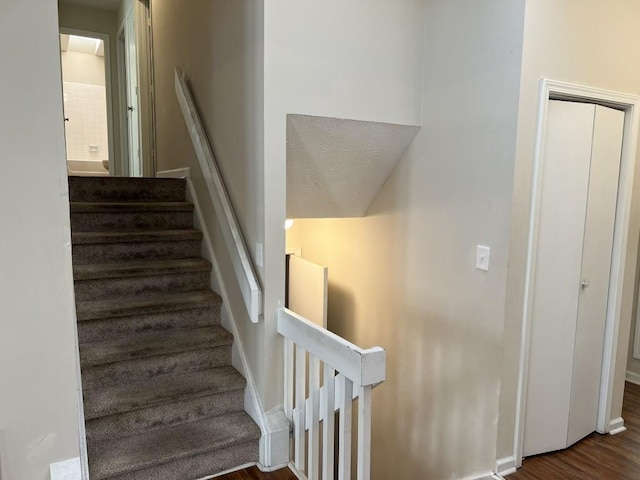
<point x="344" y="455"/>
<point x="328" y="423"/>
<point x="300" y="417"/>
<point x="289" y="367"/>
<point x="313" y="472"/>
<point x="364" y="433"/>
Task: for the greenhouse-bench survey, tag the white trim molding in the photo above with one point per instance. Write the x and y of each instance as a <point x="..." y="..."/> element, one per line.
<point x="630" y="104"/>
<point x="66" y="470"/>
<point x="184" y="172"/>
<point x="632" y="377"/>
<point x="616" y="426"/>
<point x="506" y="466"/>
<point x="484" y="476"/>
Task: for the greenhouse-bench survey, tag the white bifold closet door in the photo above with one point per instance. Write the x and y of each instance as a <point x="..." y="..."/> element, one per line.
<point x="581" y="167"/>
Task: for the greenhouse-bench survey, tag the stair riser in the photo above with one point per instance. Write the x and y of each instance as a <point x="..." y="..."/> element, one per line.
<point x="130" y="221"/>
<point x="107" y="329"/>
<point x="168" y="415"/>
<point x="106" y="288"/>
<point x="122" y="252"/>
<point x="194" y="467"/>
<point x="133" y="371"/>
<point x="126" y="189"/>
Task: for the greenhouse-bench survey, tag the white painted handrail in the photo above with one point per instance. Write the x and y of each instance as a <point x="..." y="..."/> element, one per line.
<point x="245" y="273"/>
<point x="324" y="374"/>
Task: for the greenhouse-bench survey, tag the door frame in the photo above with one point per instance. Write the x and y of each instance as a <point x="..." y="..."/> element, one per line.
<point x="630" y="104"/>
<point x="106" y="39"/>
<point x="122" y="92"/>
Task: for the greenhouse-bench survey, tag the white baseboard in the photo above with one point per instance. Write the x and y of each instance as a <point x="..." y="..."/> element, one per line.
<point x="616" y="426"/>
<point x="227" y="472"/>
<point x="175" y="173"/>
<point x="274" y="442"/>
<point x="506" y="466"/>
<point x="296" y="472"/>
<point x="632" y="377"/>
<point x="484" y="476"/>
<point x="66" y="470"/>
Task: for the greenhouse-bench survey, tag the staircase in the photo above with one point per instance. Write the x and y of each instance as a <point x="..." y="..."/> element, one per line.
<point x="161" y="399"/>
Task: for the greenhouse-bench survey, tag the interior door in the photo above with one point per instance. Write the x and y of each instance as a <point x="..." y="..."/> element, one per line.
<point x="308" y="290"/>
<point x="133" y="104"/>
<point x="572" y="265"/>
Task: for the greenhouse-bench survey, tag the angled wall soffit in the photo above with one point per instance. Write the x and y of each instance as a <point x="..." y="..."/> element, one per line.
<point x="336" y="167"/>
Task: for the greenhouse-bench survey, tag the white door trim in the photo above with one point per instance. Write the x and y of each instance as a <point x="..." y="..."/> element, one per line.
<point x="554" y="90"/>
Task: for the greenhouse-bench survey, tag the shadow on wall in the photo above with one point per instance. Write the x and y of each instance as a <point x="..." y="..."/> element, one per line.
<point x="341" y="305"/>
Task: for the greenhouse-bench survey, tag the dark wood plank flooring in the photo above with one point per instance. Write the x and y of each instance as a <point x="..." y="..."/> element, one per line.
<point x="601" y="457"/>
<point x="597" y="457"/>
<point x="254" y="474"/>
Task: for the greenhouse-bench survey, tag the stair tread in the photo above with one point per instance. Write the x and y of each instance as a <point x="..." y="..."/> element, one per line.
<point x="118" y="307"/>
<point x="137" y="268"/>
<point x="138" y="452"/>
<point x="162" y="389"/>
<point x="78" y="238"/>
<point x="123" y="207"/>
<point x="126" y="189"/>
<point x="152" y="344"/>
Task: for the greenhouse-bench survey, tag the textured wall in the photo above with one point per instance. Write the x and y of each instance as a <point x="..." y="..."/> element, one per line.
<point x="361" y="60"/>
<point x="336" y="167"/>
<point x="404" y="278"/>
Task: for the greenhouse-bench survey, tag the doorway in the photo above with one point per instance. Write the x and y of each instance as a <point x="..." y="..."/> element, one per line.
<point x="86" y="80"/>
<point x="630" y="106"/>
<point x="573" y="262"/>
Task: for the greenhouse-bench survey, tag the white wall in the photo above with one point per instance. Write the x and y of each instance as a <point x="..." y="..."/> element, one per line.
<point x="358" y="60"/>
<point x="404" y="277"/>
<point x="39" y="393"/>
<point x="592" y="43"/>
<point x="85" y="68"/>
<point x="218" y="44"/>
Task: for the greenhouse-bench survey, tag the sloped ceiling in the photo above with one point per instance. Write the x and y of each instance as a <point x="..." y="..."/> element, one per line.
<point x="336" y="167"/>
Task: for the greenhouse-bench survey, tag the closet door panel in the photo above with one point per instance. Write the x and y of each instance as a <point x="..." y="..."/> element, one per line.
<point x="596" y="266"/>
<point x="557" y="275"/>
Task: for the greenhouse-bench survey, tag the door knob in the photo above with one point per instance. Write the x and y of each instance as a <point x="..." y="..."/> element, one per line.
<point x="585" y="284"/>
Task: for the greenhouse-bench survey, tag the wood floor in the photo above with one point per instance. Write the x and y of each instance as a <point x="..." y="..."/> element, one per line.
<point x="597" y="457"/>
<point x="602" y="457"/>
<point x="254" y="474"/>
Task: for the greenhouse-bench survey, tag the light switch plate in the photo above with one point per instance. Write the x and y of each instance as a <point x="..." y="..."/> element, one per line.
<point x="483" y="255"/>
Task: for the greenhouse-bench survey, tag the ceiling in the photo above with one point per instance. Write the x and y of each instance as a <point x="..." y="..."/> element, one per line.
<point x="336" y="167"/>
<point x="75" y="43"/>
<point x="110" y="5"/>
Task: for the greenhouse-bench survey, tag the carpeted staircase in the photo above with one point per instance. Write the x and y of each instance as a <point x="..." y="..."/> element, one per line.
<point x="161" y="399"/>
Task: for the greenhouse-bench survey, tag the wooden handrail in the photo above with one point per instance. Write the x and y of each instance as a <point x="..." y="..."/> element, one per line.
<point x="242" y="265"/>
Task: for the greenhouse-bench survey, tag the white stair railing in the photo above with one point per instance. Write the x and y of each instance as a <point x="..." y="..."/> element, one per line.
<point x="245" y="273"/>
<point x="324" y="373"/>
